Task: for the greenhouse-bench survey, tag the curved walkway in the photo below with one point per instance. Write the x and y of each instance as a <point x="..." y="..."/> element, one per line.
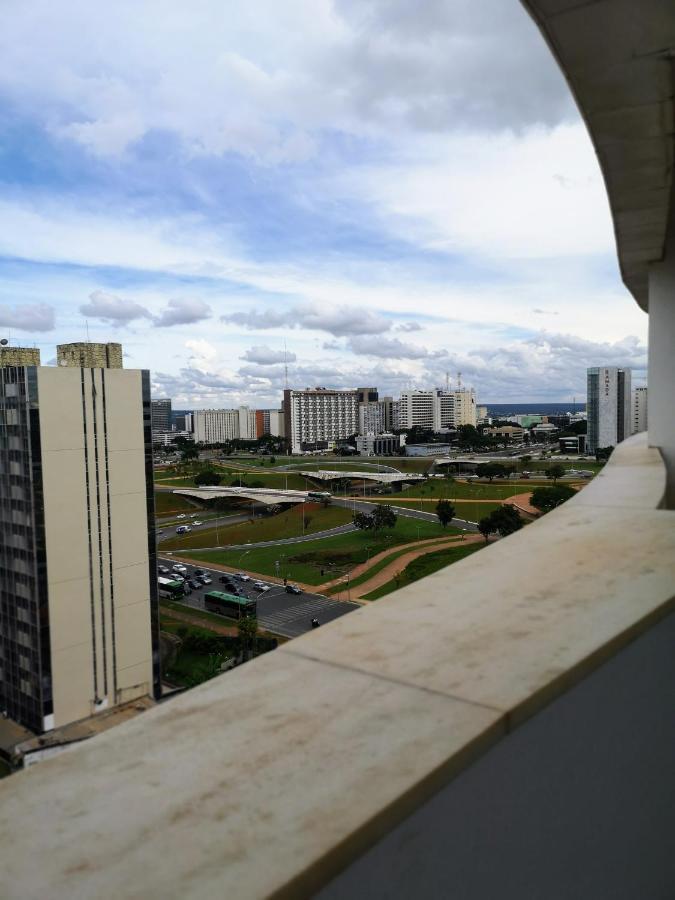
<point x="398" y="565"/>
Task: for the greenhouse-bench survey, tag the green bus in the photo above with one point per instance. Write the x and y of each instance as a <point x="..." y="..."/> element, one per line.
<point x="174" y="590"/>
<point x="230" y="605"/>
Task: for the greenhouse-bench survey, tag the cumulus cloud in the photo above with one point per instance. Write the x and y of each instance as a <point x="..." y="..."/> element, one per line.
<point x="265" y="356"/>
<point x="28" y="317"/>
<point x="408" y="326"/>
<point x="183" y="312"/>
<point x="391" y="348"/>
<point x="113" y="309"/>
<point x="340" y="321"/>
<point x="276" y="77"/>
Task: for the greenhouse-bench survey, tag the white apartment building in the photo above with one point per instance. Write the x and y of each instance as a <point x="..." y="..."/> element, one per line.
<point x="639" y="410"/>
<point x="608" y="406"/>
<point x="318" y="417"/>
<point x="437" y="410"/>
<point x="373" y="417"/>
<point x="213" y="426"/>
<point x="247" y="426"/>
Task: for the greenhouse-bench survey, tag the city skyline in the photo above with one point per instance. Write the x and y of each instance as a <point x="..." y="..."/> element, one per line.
<point x="370" y="197"/>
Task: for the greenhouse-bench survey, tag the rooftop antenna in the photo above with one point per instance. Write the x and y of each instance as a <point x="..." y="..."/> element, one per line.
<point x="86" y="325"/>
<point x="459" y="381"/>
<point x="285" y="366"/>
<point x="447" y="382"/>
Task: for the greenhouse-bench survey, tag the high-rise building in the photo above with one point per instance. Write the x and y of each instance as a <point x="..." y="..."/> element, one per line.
<point x="79" y="622"/>
<point x="437" y="410"/>
<point x="373" y="417"/>
<point x="317" y="418"/>
<point x="269" y="421"/>
<point x="639" y="410"/>
<point x="161" y="416"/>
<point x="214" y="426"/>
<point x="608" y="406"/>
<point x="367" y="394"/>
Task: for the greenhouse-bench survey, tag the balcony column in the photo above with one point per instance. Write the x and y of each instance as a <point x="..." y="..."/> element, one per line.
<point x="661" y="395"/>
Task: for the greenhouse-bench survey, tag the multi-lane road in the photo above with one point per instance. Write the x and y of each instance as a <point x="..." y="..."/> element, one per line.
<point x="287" y="614"/>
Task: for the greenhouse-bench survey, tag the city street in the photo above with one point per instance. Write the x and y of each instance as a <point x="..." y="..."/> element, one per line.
<point x="287" y="614"/>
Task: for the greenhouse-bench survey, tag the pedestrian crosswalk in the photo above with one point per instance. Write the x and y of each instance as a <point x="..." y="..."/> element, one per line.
<point x="301" y="612"/>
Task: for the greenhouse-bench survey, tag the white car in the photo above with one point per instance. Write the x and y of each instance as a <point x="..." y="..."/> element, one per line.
<point x="261" y="586"/>
<point x="197" y="523"/>
<point x="181" y="516"/>
<point x="242" y="577"/>
<point x="179" y="567"/>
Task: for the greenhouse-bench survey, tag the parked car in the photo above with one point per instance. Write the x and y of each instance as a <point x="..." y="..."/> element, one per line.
<point x="293" y="589"/>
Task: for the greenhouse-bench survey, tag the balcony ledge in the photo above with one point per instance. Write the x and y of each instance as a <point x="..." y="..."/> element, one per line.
<point x="270" y="780"/>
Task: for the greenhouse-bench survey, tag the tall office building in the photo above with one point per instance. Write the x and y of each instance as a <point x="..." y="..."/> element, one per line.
<point x="247" y="424"/>
<point x="79" y="622"/>
<point x="379" y="416"/>
<point x="161" y="416"/>
<point x="437" y="410"/>
<point x="639" y="410"/>
<point x="608" y="405"/>
<point x="269" y="421"/>
<point x="317" y="418"/>
<point x="367" y="394"/>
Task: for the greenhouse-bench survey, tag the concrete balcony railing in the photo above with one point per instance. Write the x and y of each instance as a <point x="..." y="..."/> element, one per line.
<point x="501" y="728"/>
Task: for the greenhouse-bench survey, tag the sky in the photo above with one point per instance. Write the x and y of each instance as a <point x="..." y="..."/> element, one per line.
<point x="364" y="192"/>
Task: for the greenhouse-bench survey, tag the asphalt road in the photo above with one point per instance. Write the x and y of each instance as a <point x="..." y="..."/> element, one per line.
<point x="405" y="512"/>
<point x="287" y="614"/>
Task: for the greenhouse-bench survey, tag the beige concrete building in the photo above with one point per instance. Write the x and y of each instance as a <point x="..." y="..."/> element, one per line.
<point x="87" y="355"/>
<point x="79" y="627"/>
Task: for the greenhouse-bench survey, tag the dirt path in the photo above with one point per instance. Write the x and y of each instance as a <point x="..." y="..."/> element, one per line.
<point x="365" y="566"/>
<point x="522" y="502"/>
<point x="398" y="565"/>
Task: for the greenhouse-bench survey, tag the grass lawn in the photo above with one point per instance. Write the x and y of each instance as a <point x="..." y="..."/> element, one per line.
<point x="443" y="488"/>
<point x="334" y="555"/>
<point x="167" y="606"/>
<point x="283" y="525"/>
<point x="424" y="565"/>
<point x="166" y="503"/>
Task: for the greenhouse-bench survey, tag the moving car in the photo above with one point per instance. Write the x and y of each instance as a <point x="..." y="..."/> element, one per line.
<point x="183" y="529"/>
<point x="293" y="589"/>
<point x="198" y="572"/>
<point x="261" y="586"/>
<point x="204" y="579"/>
<point x="181" y="516"/>
<point x="194" y="584"/>
<point x="242" y="576"/>
<point x="179" y="567"/>
<point x="163" y="570"/>
<point x="197" y="523"/>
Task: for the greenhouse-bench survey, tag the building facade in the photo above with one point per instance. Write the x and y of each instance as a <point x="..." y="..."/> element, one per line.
<point x="371" y="444"/>
<point x="19" y="356"/>
<point x="608" y="406"/>
<point x="79" y="615"/>
<point x="317" y="418"/>
<point x="639" y="410"/>
<point x="437" y="410"/>
<point x="161" y="416"/>
<point x="90" y="356"/>
<point x="373" y="418"/>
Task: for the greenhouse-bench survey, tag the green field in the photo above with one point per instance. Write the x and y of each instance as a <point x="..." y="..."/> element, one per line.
<point x="283" y="525"/>
<point x="166" y="504"/>
<point x="423" y="566"/>
<point x="335" y="555"/>
<point x="465" y="490"/>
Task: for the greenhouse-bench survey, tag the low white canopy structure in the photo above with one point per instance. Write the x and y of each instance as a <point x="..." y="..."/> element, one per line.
<point x="268" y="496"/>
<point x="382" y="477"/>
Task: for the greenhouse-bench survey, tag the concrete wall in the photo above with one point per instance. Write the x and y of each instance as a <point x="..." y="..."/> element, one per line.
<point x="578" y="803"/>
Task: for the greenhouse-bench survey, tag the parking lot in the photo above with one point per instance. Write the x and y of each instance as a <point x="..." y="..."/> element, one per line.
<point x="278" y="611"/>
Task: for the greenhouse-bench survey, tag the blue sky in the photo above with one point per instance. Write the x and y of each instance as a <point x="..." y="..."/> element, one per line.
<point x="391" y="196"/>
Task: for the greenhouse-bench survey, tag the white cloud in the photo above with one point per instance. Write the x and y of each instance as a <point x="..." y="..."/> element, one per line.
<point x="265" y="356"/>
<point x="339" y="321"/>
<point x="113" y="309"/>
<point x="183" y="312"/>
<point x="27" y="317"/>
<point x="390" y="348"/>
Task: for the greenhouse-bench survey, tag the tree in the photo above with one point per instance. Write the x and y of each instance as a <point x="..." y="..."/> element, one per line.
<point x="486" y="526"/>
<point x="555" y="472"/>
<point x="363" y="521"/>
<point x="489" y="470"/>
<point x="603" y="453"/>
<point x="247" y="630"/>
<point x="384" y="517"/>
<point x="188" y="452"/>
<point x="507" y="519"/>
<point x="445" y="512"/>
<point x="207" y="477"/>
<point x="547" y="498"/>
